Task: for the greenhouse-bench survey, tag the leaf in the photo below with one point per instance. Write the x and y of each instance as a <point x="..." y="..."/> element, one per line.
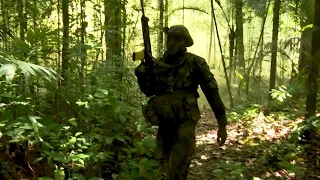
<point x="8" y="70"/>
<point x="309" y="26"/>
<point x="97" y="178"/>
<point x="122" y="118"/>
<point x="73" y="121"/>
<point x="47" y="144"/>
<point x="35" y="123"/>
<point x="72" y="140"/>
<point x="77" y="134"/>
<point x="108" y="140"/>
<point x="78" y="176"/>
<point x="256" y="178"/>
<point x="80" y="103"/>
<point x="114" y="176"/>
<point x="105" y="92"/>
<point x="289" y="167"/>
<point x="33" y="69"/>
<point x="82" y="156"/>
<point x="33" y="119"/>
<point x="44" y="178"/>
<point x="37" y="160"/>
<point x="218" y="173"/>
<point x="59" y="174"/>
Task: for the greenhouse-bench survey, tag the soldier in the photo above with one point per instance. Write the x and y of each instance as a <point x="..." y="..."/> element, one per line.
<point x="172" y="81"/>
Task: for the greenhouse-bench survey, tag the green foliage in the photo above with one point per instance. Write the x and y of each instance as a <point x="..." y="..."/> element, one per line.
<point x="283" y="156"/>
<point x="281" y="94"/>
<point x="104" y="131"/>
<point x="244" y="112"/>
<point x="27" y="69"/>
<point x="230" y="170"/>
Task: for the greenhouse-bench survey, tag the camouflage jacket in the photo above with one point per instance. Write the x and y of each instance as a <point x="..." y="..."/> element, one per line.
<point x="183" y="71"/>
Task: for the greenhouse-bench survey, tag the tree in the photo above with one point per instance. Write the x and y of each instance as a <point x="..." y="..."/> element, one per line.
<point x="306" y="18"/>
<point x="65" y="42"/>
<point x="313" y="73"/>
<point x="275" y="32"/>
<point x="160" y="31"/>
<point x="239" y="34"/>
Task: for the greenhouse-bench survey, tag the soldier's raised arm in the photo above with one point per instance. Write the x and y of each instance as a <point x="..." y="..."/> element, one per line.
<point x="210" y="89"/>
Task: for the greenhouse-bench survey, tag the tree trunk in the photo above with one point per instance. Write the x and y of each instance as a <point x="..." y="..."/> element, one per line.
<point x="5" y="28"/>
<point x="275" y="32"/>
<point x="113" y="33"/>
<point x="21" y="19"/>
<point x="211" y="33"/>
<point x="261" y="51"/>
<point x="222" y="58"/>
<point x="65" y="43"/>
<point x="312" y="85"/>
<point x="83" y="48"/>
<point x="160" y="31"/>
<point x="166" y="17"/>
<point x="251" y="64"/>
<point x="232" y="35"/>
<point x="306" y="18"/>
<point x="239" y="34"/>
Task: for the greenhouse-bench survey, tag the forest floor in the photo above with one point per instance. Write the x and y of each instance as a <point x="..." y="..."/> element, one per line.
<point x="243" y="156"/>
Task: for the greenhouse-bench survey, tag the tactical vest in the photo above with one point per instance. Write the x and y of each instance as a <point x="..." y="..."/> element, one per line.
<point x="176" y="92"/>
<point x="170" y="78"/>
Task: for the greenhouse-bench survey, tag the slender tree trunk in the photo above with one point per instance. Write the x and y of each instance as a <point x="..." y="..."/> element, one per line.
<point x="248" y="71"/>
<point x="211" y="33"/>
<point x="222" y="58"/>
<point x="312" y="86"/>
<point x="83" y="48"/>
<point x="160" y="31"/>
<point x="166" y="17"/>
<point x="4" y="20"/>
<point x="124" y="26"/>
<point x="261" y="50"/>
<point x="232" y="36"/>
<point x="65" y="42"/>
<point x="106" y="23"/>
<point x="303" y="62"/>
<point x="21" y="19"/>
<point x="56" y="108"/>
<point x="239" y="34"/>
<point x="275" y="31"/>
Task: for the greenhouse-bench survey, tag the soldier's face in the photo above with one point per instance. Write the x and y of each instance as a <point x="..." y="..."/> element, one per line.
<point x="174" y="44"/>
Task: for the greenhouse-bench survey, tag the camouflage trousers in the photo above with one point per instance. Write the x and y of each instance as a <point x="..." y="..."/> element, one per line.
<point x="177" y="143"/>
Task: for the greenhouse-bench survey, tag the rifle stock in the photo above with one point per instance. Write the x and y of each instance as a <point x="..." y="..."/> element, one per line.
<point x="146" y="53"/>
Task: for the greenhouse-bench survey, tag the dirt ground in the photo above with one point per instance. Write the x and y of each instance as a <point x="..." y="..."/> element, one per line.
<point x="240" y="148"/>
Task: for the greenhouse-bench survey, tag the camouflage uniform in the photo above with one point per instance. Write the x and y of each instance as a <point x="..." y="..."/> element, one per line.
<point x="172" y="81"/>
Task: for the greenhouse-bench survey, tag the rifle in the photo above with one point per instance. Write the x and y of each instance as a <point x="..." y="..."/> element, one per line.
<point x="146" y="53"/>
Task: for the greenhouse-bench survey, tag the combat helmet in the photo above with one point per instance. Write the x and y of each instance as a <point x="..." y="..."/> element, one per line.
<point x="181" y="31"/>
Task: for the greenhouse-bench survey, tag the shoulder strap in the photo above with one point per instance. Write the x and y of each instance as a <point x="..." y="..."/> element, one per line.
<point x="163" y="64"/>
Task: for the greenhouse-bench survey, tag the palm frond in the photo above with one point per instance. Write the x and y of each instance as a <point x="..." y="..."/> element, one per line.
<point x="27" y="69"/>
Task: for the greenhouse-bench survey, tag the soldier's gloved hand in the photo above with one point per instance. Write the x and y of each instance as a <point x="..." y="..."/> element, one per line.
<point x="222" y="135"/>
<point x="148" y="60"/>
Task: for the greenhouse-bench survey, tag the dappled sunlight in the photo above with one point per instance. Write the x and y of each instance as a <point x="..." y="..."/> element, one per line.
<point x="247" y="144"/>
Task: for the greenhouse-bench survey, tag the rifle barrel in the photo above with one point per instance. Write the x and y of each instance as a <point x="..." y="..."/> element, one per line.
<point x="142" y="7"/>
